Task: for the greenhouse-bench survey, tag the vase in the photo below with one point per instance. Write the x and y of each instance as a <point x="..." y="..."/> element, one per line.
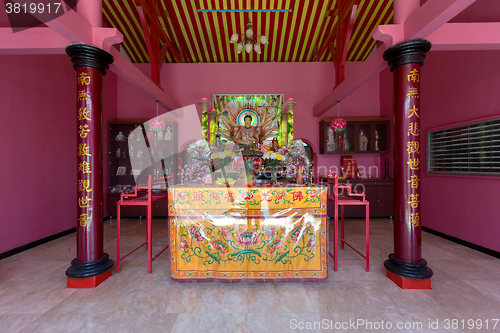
<point x="274" y="176"/>
<point x="300" y="174"/>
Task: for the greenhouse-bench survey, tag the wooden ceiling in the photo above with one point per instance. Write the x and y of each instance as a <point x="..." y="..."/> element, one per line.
<point x="202" y="28"/>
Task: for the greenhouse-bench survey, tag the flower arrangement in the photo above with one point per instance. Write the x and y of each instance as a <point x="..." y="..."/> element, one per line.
<point x="223" y="158"/>
<point x="194" y="172"/>
<point x="273" y="160"/>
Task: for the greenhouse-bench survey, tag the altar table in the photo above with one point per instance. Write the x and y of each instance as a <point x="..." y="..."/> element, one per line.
<point x="260" y="233"/>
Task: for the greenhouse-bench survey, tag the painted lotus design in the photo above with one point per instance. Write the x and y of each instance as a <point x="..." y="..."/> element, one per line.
<point x="248" y="238"/>
<point x="313" y="193"/>
<point x="296" y="233"/>
<point x="225" y="232"/>
<point x="247" y="196"/>
<point x="181" y="195"/>
<point x="270" y="232"/>
<point x="220" y="246"/>
<point x="273" y="246"/>
<point x="311" y="243"/>
<point x="183" y="244"/>
<point x="197" y="234"/>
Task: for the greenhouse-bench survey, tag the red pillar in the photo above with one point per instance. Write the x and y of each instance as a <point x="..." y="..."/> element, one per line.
<point x="91" y="265"/>
<point x="406" y="266"/>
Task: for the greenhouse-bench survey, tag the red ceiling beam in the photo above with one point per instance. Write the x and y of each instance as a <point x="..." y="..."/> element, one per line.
<point x="342" y="36"/>
<point x="157" y="41"/>
<point x="344" y="11"/>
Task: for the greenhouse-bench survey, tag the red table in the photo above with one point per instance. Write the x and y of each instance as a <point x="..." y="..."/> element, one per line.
<point x="142" y="196"/>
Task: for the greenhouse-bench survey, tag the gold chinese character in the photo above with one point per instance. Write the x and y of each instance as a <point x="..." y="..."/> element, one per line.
<point x="84" y="167"/>
<point x="413" y="112"/>
<point x="83" y="220"/>
<point x="84" y="131"/>
<point x="83" y="114"/>
<point x="413" y="147"/>
<point x="413" y="129"/>
<point x="84" y="202"/>
<point x="84" y="79"/>
<point x="83" y="185"/>
<point x="83" y="150"/>
<point x="414" y="163"/>
<point x="414" y="200"/>
<point x="414" y="76"/>
<point x="82" y="94"/>
<point x="414" y="219"/>
<point x="413" y="181"/>
<point x="413" y="93"/>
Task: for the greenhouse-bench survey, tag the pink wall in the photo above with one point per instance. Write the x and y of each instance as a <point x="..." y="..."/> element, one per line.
<point x="307" y="83"/>
<point x="37" y="155"/>
<point x="37" y="132"/>
<point x="461" y="87"/>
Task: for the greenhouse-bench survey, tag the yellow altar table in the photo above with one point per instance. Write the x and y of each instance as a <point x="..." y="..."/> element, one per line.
<point x="261" y="233"/>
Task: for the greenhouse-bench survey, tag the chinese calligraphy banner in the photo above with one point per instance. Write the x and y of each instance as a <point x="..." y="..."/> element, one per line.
<point x="261" y="233"/>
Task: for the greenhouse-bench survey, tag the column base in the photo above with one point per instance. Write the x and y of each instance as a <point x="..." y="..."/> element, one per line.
<point x="406" y="283"/>
<point x="90" y="282"/>
<point x="409" y="275"/>
<point x="82" y="270"/>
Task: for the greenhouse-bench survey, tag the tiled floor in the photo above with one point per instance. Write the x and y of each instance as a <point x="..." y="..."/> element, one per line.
<point x="34" y="298"/>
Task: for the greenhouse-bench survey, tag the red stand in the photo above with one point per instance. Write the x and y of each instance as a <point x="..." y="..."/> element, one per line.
<point x="342" y="199"/>
<point x="142" y="196"/>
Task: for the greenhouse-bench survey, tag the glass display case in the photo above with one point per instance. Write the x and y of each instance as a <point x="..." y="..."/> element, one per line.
<point x="154" y="153"/>
<point x="367" y="135"/>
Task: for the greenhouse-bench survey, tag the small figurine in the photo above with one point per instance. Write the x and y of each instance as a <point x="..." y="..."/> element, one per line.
<point x="131" y="151"/>
<point x="330" y="144"/>
<point x="131" y="135"/>
<point x="376" y="140"/>
<point x="217" y="146"/>
<point x="168" y="134"/>
<point x="124" y="153"/>
<point x="118" y="153"/>
<point x="120" y="137"/>
<point x="346" y="142"/>
<point x="363" y="141"/>
<point x="139" y="154"/>
<point x="159" y="135"/>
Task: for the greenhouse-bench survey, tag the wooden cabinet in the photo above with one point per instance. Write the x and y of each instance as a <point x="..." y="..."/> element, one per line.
<point x="380" y="194"/>
<point x="361" y="136"/>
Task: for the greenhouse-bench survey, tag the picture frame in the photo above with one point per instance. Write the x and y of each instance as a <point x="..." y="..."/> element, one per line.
<point x="121" y="171"/>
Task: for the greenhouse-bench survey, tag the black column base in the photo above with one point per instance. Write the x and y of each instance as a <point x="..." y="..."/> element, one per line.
<point x="410" y="270"/>
<point x="81" y="270"/>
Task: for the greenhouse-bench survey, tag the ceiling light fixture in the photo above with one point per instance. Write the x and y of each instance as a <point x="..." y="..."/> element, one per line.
<point x="248" y="40"/>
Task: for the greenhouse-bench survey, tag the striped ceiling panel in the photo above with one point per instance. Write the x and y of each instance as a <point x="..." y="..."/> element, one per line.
<point x="203" y="28"/>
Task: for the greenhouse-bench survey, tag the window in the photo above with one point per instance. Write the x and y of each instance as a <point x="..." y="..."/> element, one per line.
<point x="472" y="149"/>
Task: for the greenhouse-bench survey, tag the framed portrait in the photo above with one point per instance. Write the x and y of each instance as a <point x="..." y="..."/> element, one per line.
<point x="121" y="171"/>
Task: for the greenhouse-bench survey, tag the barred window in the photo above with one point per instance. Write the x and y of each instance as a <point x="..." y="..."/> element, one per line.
<point x="472" y="149"/>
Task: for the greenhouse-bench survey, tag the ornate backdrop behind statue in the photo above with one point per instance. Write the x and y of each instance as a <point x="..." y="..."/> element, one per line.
<point x="250" y="120"/>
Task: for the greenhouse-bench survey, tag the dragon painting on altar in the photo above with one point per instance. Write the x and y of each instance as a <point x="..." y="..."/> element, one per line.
<point x="251" y="121"/>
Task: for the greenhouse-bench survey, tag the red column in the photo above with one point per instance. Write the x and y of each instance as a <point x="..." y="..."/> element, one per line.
<point x="90" y="64"/>
<point x="405" y="61"/>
